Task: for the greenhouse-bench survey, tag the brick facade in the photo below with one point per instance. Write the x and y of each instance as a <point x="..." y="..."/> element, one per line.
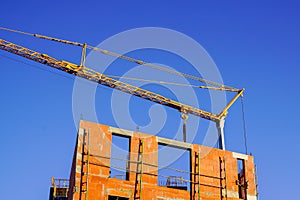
<point x="90" y="176"/>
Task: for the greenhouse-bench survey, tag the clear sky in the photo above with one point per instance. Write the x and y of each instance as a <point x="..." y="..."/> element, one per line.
<point x="255" y="45"/>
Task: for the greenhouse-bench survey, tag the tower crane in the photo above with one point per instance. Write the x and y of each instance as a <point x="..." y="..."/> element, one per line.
<point x="100" y="78"/>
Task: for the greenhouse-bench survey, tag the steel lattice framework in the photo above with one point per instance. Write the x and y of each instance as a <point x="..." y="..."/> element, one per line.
<point x="100" y="78"/>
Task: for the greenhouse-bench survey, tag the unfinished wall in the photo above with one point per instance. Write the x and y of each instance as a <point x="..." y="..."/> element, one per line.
<point x="90" y="177"/>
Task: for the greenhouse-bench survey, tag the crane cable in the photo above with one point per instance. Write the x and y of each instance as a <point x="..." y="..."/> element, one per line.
<point x="217" y="86"/>
<point x="164" y="82"/>
<point x="244" y="123"/>
<point x="153" y="81"/>
<point x="110" y="76"/>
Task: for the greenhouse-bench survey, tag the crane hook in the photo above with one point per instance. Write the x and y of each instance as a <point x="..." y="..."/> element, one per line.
<point x="184" y="117"/>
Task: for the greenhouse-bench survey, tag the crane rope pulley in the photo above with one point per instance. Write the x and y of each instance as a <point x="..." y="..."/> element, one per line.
<point x="92" y="75"/>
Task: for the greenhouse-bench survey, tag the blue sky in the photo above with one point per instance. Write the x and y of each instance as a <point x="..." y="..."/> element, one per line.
<point x="255" y="45"/>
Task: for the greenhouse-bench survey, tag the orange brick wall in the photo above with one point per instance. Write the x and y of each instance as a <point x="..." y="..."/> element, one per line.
<point x="98" y="184"/>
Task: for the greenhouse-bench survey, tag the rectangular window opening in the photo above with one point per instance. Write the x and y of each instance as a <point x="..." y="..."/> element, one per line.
<point x="120" y="156"/>
<point x="241" y="182"/>
<point x="174" y="167"/>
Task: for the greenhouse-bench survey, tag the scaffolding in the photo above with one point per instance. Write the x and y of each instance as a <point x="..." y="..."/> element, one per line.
<point x="85" y="162"/>
<point x="59" y="189"/>
<point x="176" y="182"/>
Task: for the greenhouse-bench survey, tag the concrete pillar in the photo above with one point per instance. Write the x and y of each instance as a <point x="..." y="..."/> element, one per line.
<point x="220" y="127"/>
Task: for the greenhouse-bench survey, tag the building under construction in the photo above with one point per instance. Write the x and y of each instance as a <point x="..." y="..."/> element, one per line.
<point x="211" y="174"/>
<point x="98" y="172"/>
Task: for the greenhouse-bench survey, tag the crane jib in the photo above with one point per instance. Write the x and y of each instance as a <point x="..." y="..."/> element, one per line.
<point x="99" y="78"/>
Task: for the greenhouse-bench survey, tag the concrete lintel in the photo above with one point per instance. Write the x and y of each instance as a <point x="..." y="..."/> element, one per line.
<point x="251" y="197"/>
<point x="78" y="169"/>
<point x="231" y="194"/>
<point x="240" y="156"/>
<point x="120" y="131"/>
<point x="81" y="131"/>
<point x="119" y="192"/>
<point x="79" y="156"/>
<point x="174" y="143"/>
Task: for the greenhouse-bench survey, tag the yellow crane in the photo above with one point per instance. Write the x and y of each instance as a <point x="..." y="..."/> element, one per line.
<point x="92" y="75"/>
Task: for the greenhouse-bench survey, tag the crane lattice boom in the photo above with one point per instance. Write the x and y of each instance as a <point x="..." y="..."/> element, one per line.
<point x="100" y="78"/>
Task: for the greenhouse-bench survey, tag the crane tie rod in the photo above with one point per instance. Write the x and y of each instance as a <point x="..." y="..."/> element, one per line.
<point x="217" y="86"/>
<point x="161" y="82"/>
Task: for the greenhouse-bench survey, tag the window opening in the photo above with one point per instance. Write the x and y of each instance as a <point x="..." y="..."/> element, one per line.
<point x="241" y="182"/>
<point x="174" y="167"/>
<point x="119" y="160"/>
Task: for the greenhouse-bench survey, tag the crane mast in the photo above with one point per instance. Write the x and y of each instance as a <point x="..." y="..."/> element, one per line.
<point x="97" y="77"/>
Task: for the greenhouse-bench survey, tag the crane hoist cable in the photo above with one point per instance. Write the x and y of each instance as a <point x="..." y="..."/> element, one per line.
<point x="244" y="124"/>
<point x="216" y="86"/>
